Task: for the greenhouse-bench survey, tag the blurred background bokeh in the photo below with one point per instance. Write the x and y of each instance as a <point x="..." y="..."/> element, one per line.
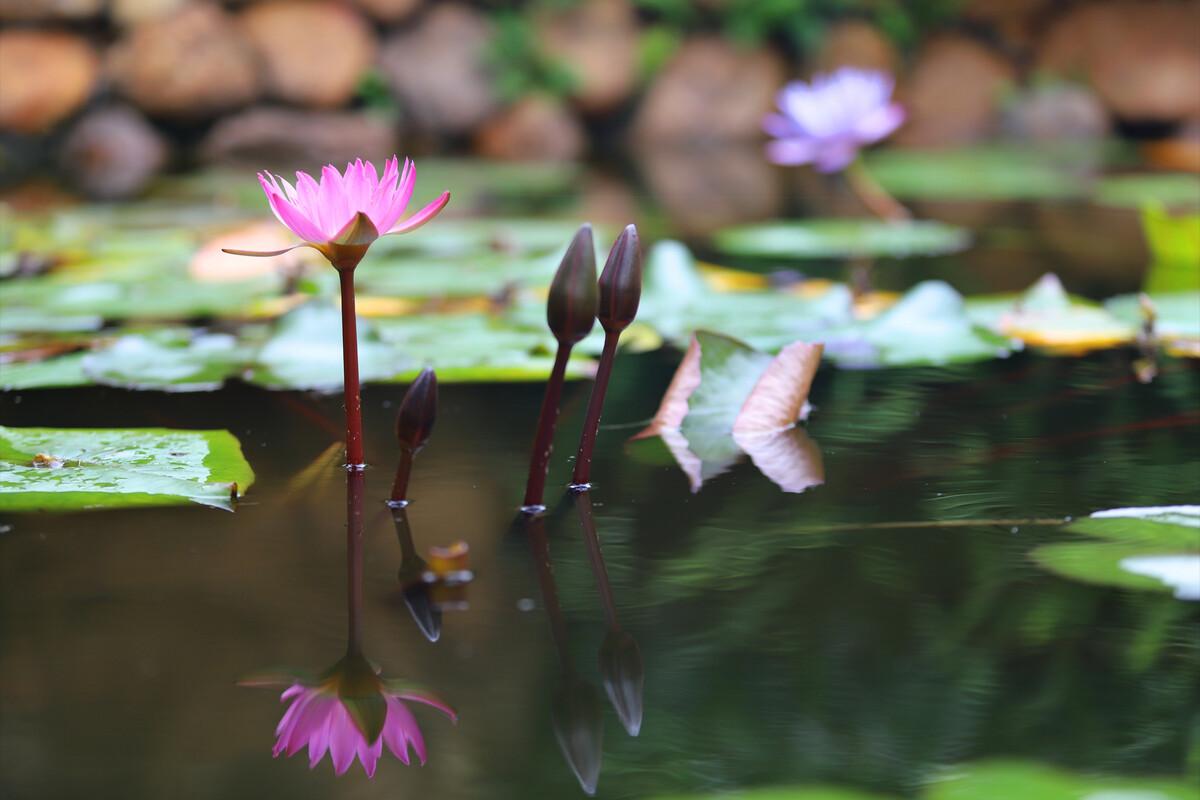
<point x="104" y="95"/>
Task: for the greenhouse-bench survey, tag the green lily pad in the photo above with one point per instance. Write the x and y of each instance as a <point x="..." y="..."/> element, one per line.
<point x="416" y="275"/>
<point x="782" y="793"/>
<point x="1046" y="316"/>
<point x="928" y="326"/>
<point x="1152" y="549"/>
<point x="986" y="173"/>
<point x="63" y="469"/>
<point x="841" y="238"/>
<point x="171" y="360"/>
<point x="54" y="373"/>
<point x="35" y="320"/>
<point x="305" y="352"/>
<point x="475" y="347"/>
<point x="677" y="302"/>
<point x="990" y="780"/>
<point x="1176" y="314"/>
<point x="1171" y="189"/>
<point x="498" y="236"/>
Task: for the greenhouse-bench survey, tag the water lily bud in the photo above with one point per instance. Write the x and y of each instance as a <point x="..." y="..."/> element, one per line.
<point x="579" y="728"/>
<point x="621" y="281"/>
<point x="571" y="309"/>
<point x="418" y="412"/>
<point x="624" y="678"/>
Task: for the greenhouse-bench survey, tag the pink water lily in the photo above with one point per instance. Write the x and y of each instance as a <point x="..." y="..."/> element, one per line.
<point x="324" y="718"/>
<point x="343" y="213"/>
<point x="827" y="121"/>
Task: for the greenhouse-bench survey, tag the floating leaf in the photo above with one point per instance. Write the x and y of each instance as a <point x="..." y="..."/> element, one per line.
<point x="53" y="373"/>
<point x="991" y="780"/>
<point x="61" y="469"/>
<point x="1046" y="316"/>
<point x="727" y="398"/>
<point x="783" y="793"/>
<point x="1176" y="315"/>
<point x="476" y="347"/>
<point x="677" y="301"/>
<point x="35" y="320"/>
<point x="497" y="236"/>
<point x="1170" y="189"/>
<point x="1155" y="548"/>
<point x="841" y="238"/>
<point x="171" y="360"/>
<point x="984" y="173"/>
<point x="927" y="326"/>
<point x="305" y="352"/>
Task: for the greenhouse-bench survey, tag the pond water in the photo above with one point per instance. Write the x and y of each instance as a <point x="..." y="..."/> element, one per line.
<point x="873" y="632"/>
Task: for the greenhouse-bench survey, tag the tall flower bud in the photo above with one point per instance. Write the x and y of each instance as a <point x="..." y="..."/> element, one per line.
<point x="621" y="282"/>
<point x="571" y="308"/>
<point x="418" y="412"/>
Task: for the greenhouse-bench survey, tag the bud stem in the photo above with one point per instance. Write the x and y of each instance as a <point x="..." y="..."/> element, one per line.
<point x="403" y="473"/>
<point x="353" y="398"/>
<point x="591" y="425"/>
<point x="543" y="441"/>
<point x="354" y="562"/>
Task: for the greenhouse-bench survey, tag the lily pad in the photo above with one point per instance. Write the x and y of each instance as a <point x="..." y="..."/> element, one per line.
<point x="305" y="352"/>
<point x="1027" y="780"/>
<point x="63" y="469"/>
<point x="985" y="173"/>
<point x="841" y="238"/>
<point x="497" y="236"/>
<point x="678" y="301"/>
<point x="1176" y="314"/>
<point x="54" y="373"/>
<point x="1046" y="316"/>
<point x="928" y="326"/>
<point x="727" y="399"/>
<point x="475" y="347"/>
<point x="1171" y="189"/>
<point x="172" y="360"/>
<point x="417" y="275"/>
<point x="1153" y="549"/>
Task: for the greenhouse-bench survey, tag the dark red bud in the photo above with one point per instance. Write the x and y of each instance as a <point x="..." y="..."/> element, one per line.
<point x="621" y="281"/>
<point x="579" y="728"/>
<point x="418" y="412"/>
<point x="571" y="309"/>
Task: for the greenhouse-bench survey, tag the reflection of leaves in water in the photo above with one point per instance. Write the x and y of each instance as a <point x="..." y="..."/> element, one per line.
<point x="1030" y="780"/>
<point x="118" y="467"/>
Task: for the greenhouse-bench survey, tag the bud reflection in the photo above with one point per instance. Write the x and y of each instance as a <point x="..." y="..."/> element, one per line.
<point x="576" y="706"/>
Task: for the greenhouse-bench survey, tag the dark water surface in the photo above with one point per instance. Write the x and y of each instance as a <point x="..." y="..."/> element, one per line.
<point x="862" y="634"/>
<point x="775" y="651"/>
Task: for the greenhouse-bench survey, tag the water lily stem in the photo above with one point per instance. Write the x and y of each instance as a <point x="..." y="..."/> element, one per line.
<point x="591" y="425"/>
<point x="874" y="196"/>
<point x="353" y="399"/>
<point x="354" y="561"/>
<point x="543" y="442"/>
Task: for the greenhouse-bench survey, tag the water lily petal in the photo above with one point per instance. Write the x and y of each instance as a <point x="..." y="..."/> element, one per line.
<point x="421" y="217"/>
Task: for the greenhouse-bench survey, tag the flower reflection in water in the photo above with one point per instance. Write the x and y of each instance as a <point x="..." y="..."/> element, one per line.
<point x="350" y="711"/>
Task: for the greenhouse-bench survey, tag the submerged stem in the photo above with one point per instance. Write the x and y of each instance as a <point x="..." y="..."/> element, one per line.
<point x="353" y="399"/>
<point x="354" y="560"/>
<point x="591" y="425"/>
<point x="543" y="441"/>
<point x="874" y="196"/>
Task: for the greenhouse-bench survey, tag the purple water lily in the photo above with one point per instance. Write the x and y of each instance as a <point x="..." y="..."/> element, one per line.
<point x="825" y="123"/>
